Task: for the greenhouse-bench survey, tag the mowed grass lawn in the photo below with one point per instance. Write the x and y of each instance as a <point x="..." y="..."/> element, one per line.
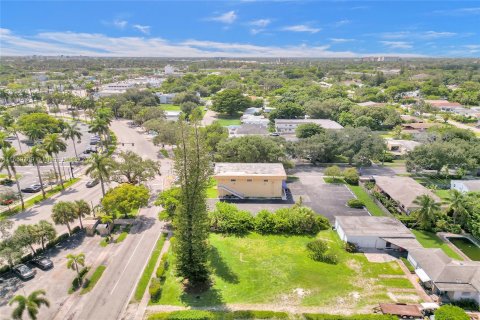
<point x="226" y="120"/>
<point x="431" y="240"/>
<point x="170" y="107"/>
<point x="362" y="195"/>
<point x="277" y="270"/>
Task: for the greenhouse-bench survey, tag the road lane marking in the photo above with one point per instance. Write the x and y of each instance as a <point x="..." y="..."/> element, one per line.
<point x="128" y="262"/>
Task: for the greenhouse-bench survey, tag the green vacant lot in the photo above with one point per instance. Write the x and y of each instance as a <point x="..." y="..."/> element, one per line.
<point x="226" y="120"/>
<point x="276" y="269"/>
<point x="170" y="107"/>
<point x="369" y="203"/>
<point x="430" y="240"/>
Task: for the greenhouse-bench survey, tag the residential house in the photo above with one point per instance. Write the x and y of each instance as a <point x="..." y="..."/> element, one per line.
<point x="250" y="180"/>
<point x="165" y="98"/>
<point x="288" y="126"/>
<point x="247" y="129"/>
<point x="444" y="105"/>
<point x="369" y="232"/>
<point x="403" y="190"/>
<point x="450" y="279"/>
<point x="401" y="147"/>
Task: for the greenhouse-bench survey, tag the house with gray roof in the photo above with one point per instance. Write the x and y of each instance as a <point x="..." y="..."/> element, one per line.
<point x="448" y="278"/>
<point x="288" y="126"/>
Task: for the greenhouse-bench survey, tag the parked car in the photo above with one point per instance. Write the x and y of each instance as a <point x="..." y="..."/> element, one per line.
<point x="83" y="157"/>
<point x="11" y="138"/>
<point x="34" y="188"/>
<point x="90" y="150"/>
<point x="92" y="183"/>
<point x="275" y="134"/>
<point x="24" y="272"/>
<point x="42" y="262"/>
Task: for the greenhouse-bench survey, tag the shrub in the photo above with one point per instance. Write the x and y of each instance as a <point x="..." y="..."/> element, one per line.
<point x="333" y="171"/>
<point x="351" y="247"/>
<point x="355" y="203"/>
<point x="468" y="304"/>
<point x="313" y="316"/>
<point x="264" y="222"/>
<point x="155" y="289"/>
<point x="226" y="218"/>
<point x="78" y="281"/>
<point x="318" y="252"/>
<point x="388" y="157"/>
<point x="449" y="312"/>
<point x="317" y="248"/>
<point x="369" y="185"/>
<point x="217" y="315"/>
<point x="351" y="176"/>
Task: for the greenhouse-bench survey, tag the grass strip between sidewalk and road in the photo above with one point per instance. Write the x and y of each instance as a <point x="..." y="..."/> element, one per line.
<point x="38" y="199"/>
<point x="90" y="283"/>
<point x="148" y="271"/>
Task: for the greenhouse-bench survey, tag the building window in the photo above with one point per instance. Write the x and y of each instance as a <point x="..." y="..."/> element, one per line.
<point x="233" y="180"/>
<point x="266" y="180"/>
<point x="249" y="180"/>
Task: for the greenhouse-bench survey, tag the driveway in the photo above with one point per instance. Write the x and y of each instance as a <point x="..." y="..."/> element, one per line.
<point x="325" y="198"/>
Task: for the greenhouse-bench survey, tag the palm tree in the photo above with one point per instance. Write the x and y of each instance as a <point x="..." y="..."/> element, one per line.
<point x="81" y="209"/>
<point x="74" y="260"/>
<point x="8" y="162"/>
<point x="14" y="129"/>
<point x="427" y="212"/>
<point x="100" y="167"/>
<point x="34" y="133"/>
<point x="99" y="126"/>
<point x="31" y="303"/>
<point x="63" y="212"/>
<point x="53" y="144"/>
<point x="72" y="132"/>
<point x="37" y="155"/>
<point x="458" y="204"/>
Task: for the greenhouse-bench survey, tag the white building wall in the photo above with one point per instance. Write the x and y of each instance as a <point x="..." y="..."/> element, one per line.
<point x="458" y="185"/>
<point x="412" y="261"/>
<point x="458" y="295"/>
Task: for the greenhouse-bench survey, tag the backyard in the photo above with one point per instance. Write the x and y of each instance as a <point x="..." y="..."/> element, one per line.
<point x="276" y="270"/>
<point x="431" y="240"/>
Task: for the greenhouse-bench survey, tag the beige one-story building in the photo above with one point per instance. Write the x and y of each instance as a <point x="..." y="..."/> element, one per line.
<point x="250" y="180"/>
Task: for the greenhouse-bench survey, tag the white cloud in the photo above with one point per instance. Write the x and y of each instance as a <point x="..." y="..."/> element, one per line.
<point x="301" y="28"/>
<point x="459" y="11"/>
<point x="228" y="17"/>
<point x="88" y="44"/>
<point x="341" y="23"/>
<point x="397" y="44"/>
<point x="341" y="40"/>
<point x="260" y="23"/>
<point x="121" y="24"/>
<point x="472" y="46"/>
<point x="418" y="35"/>
<point x="143" y="29"/>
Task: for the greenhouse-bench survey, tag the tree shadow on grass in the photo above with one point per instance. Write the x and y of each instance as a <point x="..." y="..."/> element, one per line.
<point x="210" y="297"/>
<point x="220" y="267"/>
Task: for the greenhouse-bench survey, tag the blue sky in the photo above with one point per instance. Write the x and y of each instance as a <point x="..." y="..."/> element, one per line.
<point x="246" y="28"/>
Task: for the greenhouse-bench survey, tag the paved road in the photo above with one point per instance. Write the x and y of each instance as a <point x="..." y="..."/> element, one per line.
<point x="125" y="263"/>
<point x="464" y="126"/>
<point x="29" y="173"/>
<point x="110" y="297"/>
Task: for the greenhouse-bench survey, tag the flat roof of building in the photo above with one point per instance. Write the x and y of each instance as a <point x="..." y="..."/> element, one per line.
<point x="324" y="123"/>
<point x="383" y="227"/>
<point x="404" y="190"/>
<point x="472" y="185"/>
<point x="249" y="169"/>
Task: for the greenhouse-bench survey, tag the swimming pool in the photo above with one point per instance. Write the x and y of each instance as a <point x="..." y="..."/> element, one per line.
<point x="465" y="245"/>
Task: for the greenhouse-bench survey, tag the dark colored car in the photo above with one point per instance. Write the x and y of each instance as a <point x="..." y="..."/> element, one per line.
<point x="92" y="183"/>
<point x="34" y="188"/>
<point x="90" y="150"/>
<point x="43" y="263"/>
<point x="23" y="272"/>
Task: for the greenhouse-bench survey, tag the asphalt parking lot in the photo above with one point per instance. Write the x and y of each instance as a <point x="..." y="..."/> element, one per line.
<point x="325" y="198"/>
